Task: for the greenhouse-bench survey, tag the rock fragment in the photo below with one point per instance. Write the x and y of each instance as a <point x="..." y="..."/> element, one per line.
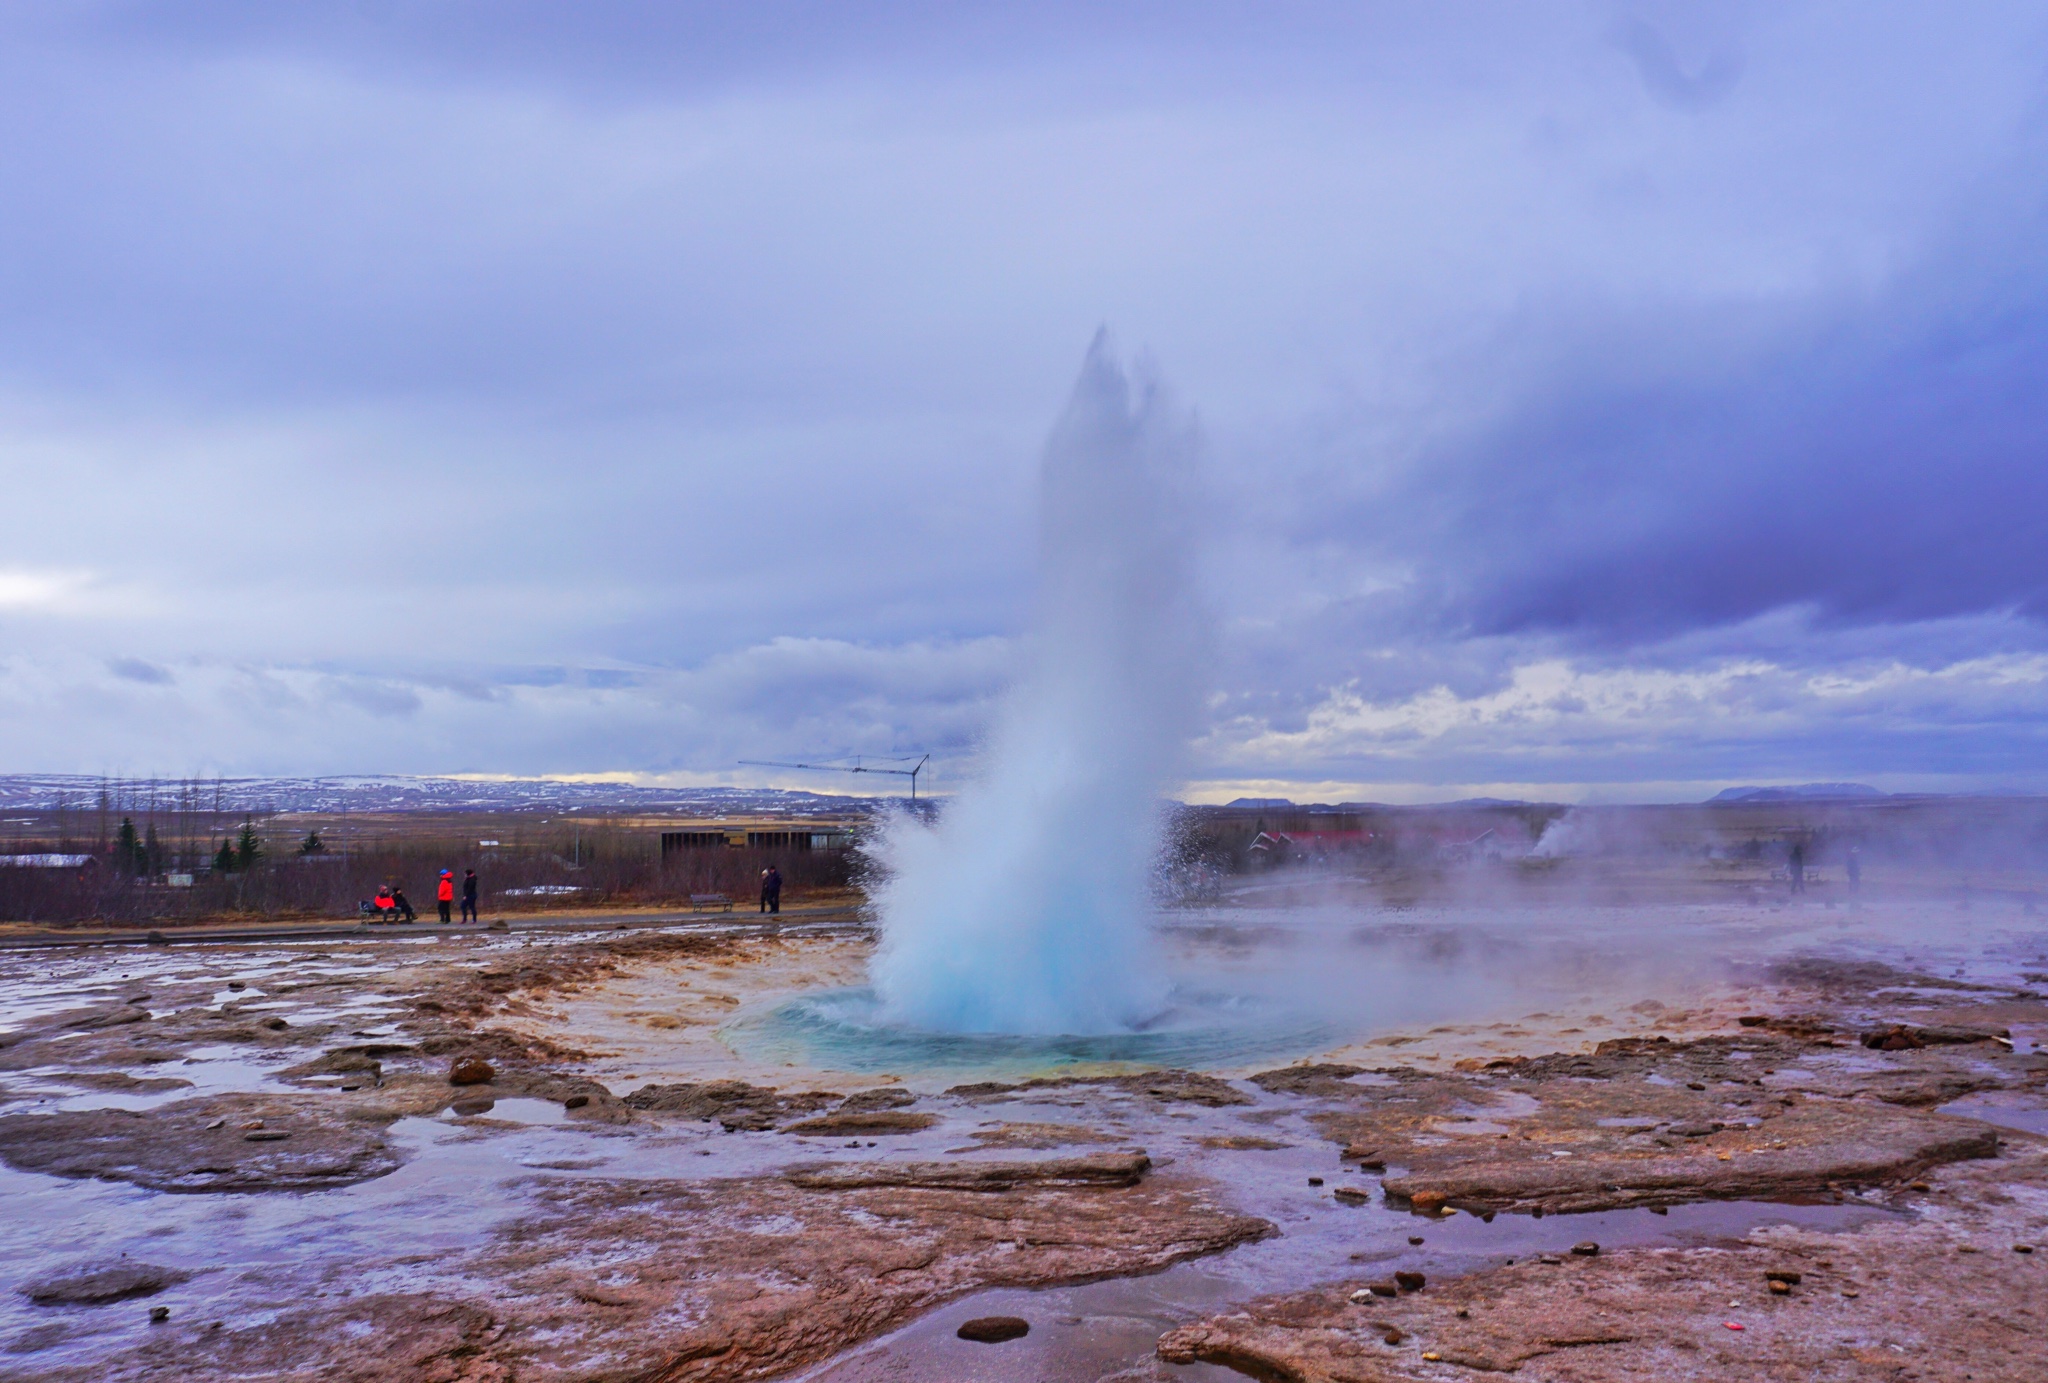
<point x="880" y="1098"/>
<point x="1168" y="1087"/>
<point x="96" y="1285"/>
<point x="737" y="1106"/>
<point x="470" y="1070"/>
<point x="879" y="1121"/>
<point x="1095" y="1170"/>
<point x="994" y="1330"/>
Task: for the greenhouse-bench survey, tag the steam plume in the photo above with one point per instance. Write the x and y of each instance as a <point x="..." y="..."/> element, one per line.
<point x="1028" y="908"/>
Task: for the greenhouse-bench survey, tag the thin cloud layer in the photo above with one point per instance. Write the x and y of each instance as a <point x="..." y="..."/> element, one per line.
<point x="1597" y="399"/>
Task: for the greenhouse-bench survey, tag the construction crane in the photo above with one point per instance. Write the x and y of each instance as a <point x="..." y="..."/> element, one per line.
<point x="857" y="767"/>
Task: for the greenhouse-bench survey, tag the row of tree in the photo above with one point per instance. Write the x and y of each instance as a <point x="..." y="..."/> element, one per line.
<point x="140" y="853"/>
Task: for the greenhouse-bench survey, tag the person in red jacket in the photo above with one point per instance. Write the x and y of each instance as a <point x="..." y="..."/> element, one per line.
<point x="445" y="895"/>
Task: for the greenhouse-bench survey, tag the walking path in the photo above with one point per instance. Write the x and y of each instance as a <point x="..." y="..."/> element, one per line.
<point x="26" y="937"/>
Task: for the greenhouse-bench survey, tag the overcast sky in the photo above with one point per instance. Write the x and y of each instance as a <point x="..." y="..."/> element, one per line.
<point x="1605" y="400"/>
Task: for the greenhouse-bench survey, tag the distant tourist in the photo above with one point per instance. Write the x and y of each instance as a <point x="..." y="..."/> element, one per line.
<point x="405" y="912"/>
<point x="469" y="895"/>
<point x="771" y="889"/>
<point x="1796" y="866"/>
<point x="386" y="909"/>
<point x="444" y="894"/>
<point x="1855" y="868"/>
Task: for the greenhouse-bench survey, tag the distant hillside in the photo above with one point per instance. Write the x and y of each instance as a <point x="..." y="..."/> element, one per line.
<point x="1803" y="792"/>
<point x="388" y="793"/>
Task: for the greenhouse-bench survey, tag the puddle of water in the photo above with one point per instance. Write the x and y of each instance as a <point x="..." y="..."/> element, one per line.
<point x="2005" y="1108"/>
<point x="517" y="1110"/>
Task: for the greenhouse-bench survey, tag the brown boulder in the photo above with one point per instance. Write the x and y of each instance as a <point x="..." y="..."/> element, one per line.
<point x="736" y="1105"/>
<point x="993" y="1330"/>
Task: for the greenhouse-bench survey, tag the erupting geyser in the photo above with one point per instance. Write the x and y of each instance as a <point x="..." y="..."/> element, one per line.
<point x="1028" y="908"/>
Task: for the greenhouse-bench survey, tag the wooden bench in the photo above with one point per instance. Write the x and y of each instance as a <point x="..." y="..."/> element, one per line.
<point x="700" y="901"/>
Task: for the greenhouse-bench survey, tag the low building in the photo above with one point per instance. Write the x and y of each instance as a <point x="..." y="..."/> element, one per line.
<point x="780" y="835"/>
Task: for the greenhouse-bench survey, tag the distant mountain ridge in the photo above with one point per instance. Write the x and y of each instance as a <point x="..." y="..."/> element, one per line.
<point x="1803" y="792"/>
<point x="399" y="793"/>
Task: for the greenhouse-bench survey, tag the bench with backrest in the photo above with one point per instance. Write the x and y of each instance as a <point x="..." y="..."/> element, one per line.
<point x="700" y="901"/>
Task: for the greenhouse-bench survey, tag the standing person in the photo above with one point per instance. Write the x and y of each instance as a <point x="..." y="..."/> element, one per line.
<point x="444" y="894"/>
<point x="764" y="887"/>
<point x="772" y="889"/>
<point x="469" y="895"/>
<point x="1855" y="869"/>
<point x="404" y="907"/>
<point x="1796" y="866"/>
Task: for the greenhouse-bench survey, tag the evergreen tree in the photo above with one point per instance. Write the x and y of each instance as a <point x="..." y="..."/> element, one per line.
<point x="312" y="844"/>
<point x="128" y="856"/>
<point x="248" y="849"/>
<point x="224" y="861"/>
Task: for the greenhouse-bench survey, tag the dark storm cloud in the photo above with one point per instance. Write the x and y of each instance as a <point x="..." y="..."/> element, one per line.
<point x="1871" y="458"/>
<point x="137" y="670"/>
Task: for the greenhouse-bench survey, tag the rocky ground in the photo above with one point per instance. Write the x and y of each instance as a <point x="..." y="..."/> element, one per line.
<point x="1955" y="1289"/>
<point x="514" y="1159"/>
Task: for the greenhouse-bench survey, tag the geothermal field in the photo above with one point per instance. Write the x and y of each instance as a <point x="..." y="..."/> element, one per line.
<point x="1352" y="691"/>
<point x="1066" y="1086"/>
<point x="1483" y="1127"/>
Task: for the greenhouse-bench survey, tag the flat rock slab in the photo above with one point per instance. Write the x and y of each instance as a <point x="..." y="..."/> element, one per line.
<point x="1937" y="1296"/>
<point x="121" y="1081"/>
<point x="736" y="1105"/>
<point x="203" y="1145"/>
<point x="845" y="1122"/>
<point x="1094" y="1170"/>
<point x="1168" y="1087"/>
<point x="99" y="1284"/>
<point x="1807" y="1151"/>
<point x="1637" y="1123"/>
